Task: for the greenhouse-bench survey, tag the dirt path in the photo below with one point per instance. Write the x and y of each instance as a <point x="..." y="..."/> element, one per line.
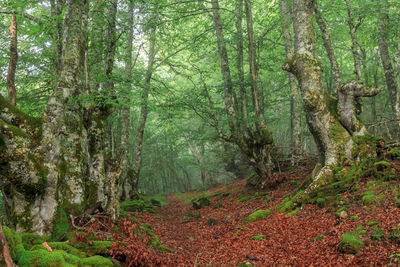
<point x="309" y="238"/>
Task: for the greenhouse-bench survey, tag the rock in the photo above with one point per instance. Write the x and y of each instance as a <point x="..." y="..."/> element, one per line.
<point x="200" y="203"/>
<point x="343" y="214"/>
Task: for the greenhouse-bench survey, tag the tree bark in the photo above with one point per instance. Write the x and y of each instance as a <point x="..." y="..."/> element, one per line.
<point x="125" y="166"/>
<point x="56" y="13"/>
<point x="328" y="47"/>
<point x="239" y="48"/>
<point x="52" y="166"/>
<point x="295" y="113"/>
<point x="12" y="66"/>
<point x="388" y="68"/>
<point x="354" y="44"/>
<point x="137" y="160"/>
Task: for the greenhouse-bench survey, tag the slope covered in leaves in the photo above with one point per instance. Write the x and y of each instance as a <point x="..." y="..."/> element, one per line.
<point x="309" y="237"/>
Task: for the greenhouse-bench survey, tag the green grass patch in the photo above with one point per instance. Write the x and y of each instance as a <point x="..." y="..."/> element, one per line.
<point x="259" y="237"/>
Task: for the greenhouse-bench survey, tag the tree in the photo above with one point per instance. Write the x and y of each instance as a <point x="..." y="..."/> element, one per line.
<point x="12" y="66"/>
<point x="295" y="114"/>
<point x="255" y="141"/>
<point x="51" y="166"/>
<point x="336" y="131"/>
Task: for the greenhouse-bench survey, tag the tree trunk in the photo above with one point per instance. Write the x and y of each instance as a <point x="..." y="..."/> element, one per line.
<point x="137" y="161"/>
<point x="295" y="113"/>
<point x="12" y="66"/>
<point x="51" y="166"/>
<point x="239" y="48"/>
<point x="332" y="133"/>
<point x="328" y="47"/>
<point x="56" y="15"/>
<point x="255" y="144"/>
<point x="125" y="168"/>
<point x="388" y="68"/>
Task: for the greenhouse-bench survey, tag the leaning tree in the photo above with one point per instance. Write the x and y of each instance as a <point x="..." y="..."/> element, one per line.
<point x="55" y="166"/>
<point x="342" y="140"/>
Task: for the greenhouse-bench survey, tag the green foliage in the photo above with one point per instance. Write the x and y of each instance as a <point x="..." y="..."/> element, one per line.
<point x="320" y="237"/>
<point x="350" y="243"/>
<point x="258" y="215"/>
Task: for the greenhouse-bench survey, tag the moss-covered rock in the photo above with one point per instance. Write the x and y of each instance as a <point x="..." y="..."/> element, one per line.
<point x="199" y="203"/>
<point x="137" y="206"/>
<point x="212" y="221"/>
<point x="350" y="243"/>
<point x="258" y="215"/>
<point x="377" y="233"/>
<point x="383" y="170"/>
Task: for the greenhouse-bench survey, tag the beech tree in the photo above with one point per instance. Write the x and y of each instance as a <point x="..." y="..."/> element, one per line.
<point x="55" y="165"/>
<point x="336" y="129"/>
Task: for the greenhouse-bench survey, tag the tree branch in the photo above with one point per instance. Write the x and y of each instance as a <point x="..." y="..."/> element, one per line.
<point x="23" y="14"/>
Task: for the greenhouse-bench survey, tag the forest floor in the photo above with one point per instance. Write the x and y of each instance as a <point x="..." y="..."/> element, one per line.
<point x="309" y="237"/>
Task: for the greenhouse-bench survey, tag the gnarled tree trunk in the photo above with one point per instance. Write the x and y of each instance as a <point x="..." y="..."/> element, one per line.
<point x="51" y="167"/>
<point x="334" y="130"/>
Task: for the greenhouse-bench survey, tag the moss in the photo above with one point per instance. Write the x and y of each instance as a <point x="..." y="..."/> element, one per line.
<point x="39" y="258"/>
<point x="245" y="264"/>
<point x="243" y="199"/>
<point x="97" y="247"/>
<point x="377" y="234"/>
<point x="190" y="216"/>
<point x="258" y="215"/>
<point x="259" y="237"/>
<point x="395" y="235"/>
<point x="60" y="223"/>
<point x="212" y="221"/>
<point x="383" y="170"/>
<point x="393" y="154"/>
<point x="373" y="223"/>
<point x="14" y="242"/>
<point x="137" y="206"/>
<point x="96" y="261"/>
<point x="29" y="239"/>
<point x="154" y="241"/>
<point x="354" y="218"/>
<point x="320" y="237"/>
<point x="268" y="200"/>
<point x="350" y="243"/>
<point x="368" y="198"/>
<point x="321" y="202"/>
<point x="292" y="213"/>
<point x="199" y="203"/>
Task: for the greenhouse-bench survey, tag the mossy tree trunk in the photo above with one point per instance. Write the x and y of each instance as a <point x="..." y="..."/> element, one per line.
<point x="335" y="128"/>
<point x="51" y="167"/>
